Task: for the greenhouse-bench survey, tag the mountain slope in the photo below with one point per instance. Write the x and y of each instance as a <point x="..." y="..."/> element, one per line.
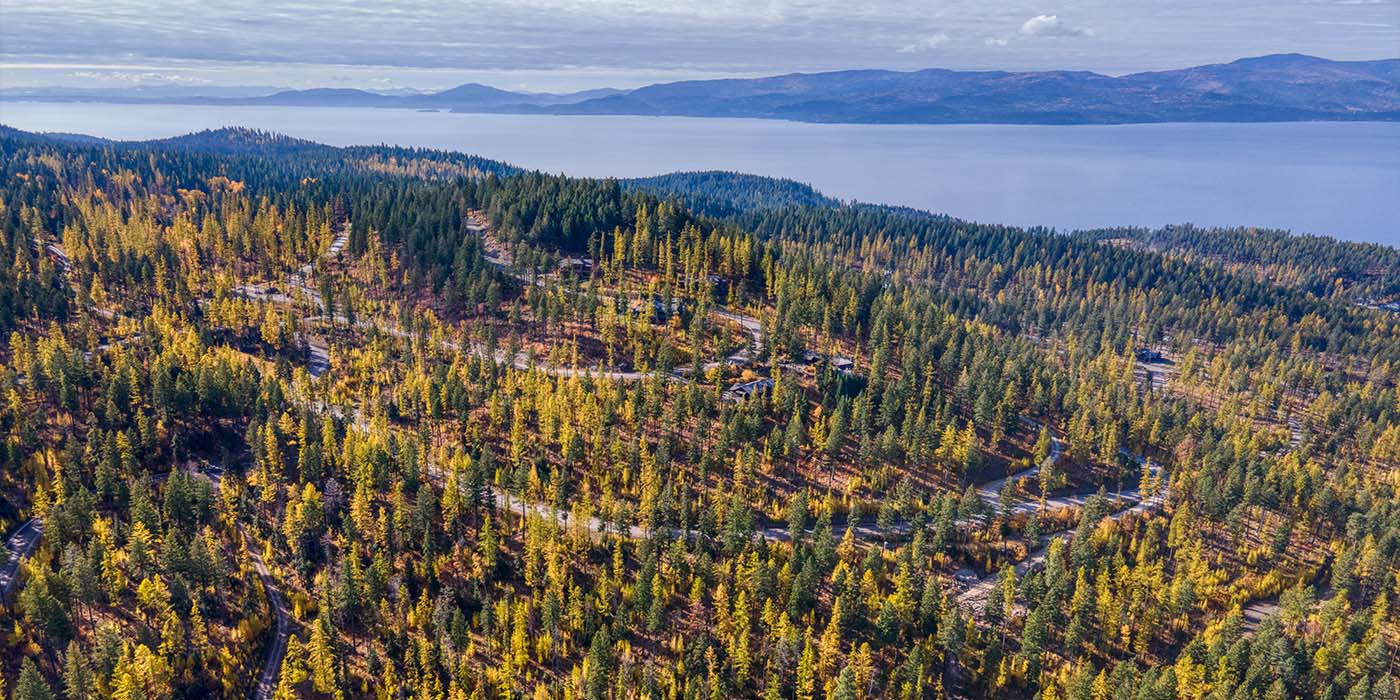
<point x="1269" y="88"/>
<point x="468" y="96"/>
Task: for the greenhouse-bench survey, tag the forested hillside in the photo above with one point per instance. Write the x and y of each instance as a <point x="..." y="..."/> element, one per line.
<point x="1316" y="264"/>
<point x="283" y="420"/>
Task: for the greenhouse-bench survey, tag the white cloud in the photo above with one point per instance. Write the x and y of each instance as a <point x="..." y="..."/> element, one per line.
<point x="1374" y="25"/>
<point x="994" y="41"/>
<point x="927" y="43"/>
<point x="138" y="77"/>
<point x="1050" y="25"/>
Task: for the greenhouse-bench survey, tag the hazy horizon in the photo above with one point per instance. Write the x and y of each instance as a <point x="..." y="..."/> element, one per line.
<point x="487" y="80"/>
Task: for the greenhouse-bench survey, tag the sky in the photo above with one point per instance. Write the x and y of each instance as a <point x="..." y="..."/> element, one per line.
<point x="560" y="45"/>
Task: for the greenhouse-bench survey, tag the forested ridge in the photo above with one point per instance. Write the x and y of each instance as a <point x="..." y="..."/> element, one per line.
<point x="720" y="193"/>
<point x="502" y="434"/>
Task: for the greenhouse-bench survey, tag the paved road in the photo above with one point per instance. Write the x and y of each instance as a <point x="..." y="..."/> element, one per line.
<point x="318" y="359"/>
<point x="864" y="529"/>
<point x="990" y="492"/>
<point x="56" y="251"/>
<point x="1255" y="613"/>
<point x="1260" y="610"/>
<point x="498" y="255"/>
<point x="272" y="667"/>
<point x="18" y="546"/>
<point x="520" y="360"/>
<point x="297" y="287"/>
<point x="975" y="597"/>
<point x="495" y="253"/>
<point x="748" y="323"/>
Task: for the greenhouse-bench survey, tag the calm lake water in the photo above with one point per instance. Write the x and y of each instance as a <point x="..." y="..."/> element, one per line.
<point x="1338" y="179"/>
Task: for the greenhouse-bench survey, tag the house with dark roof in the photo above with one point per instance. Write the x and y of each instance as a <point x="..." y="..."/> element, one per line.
<point x="741" y="391"/>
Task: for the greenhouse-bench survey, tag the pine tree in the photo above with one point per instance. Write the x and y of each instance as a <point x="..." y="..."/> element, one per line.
<point x="294" y="671"/>
<point x="31" y="685"/>
<point x="739" y="646"/>
<point x="320" y="658"/>
<point x="77" y="674"/>
<point x="845" y="685"/>
<point x="807" y="670"/>
<point x="599" y="666"/>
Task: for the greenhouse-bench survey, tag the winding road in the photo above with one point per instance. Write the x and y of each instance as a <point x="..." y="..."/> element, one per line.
<point x="497" y="255"/>
<point x="21" y="543"/>
<point x="272" y="667"/>
<point x="975" y="597"/>
<point x="989" y="492"/>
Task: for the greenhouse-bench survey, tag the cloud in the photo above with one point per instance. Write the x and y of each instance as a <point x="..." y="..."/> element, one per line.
<point x="1374" y="25"/>
<point x="433" y="44"/>
<point x="927" y="43"/>
<point x="138" y="77"/>
<point x="1050" y="25"/>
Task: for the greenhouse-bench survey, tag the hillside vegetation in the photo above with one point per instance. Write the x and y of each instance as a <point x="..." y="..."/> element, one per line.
<point x="293" y="421"/>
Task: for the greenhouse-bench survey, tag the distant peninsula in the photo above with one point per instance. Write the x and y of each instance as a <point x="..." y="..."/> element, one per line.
<point x="1275" y="88"/>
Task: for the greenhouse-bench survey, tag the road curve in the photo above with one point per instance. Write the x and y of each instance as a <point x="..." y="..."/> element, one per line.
<point x="990" y="492"/>
<point x="18" y="546"/>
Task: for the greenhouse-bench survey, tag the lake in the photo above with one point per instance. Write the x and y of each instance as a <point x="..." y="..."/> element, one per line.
<point x="1337" y="179"/>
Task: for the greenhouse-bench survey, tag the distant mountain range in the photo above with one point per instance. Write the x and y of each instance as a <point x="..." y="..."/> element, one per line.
<point x="467" y="97"/>
<point x="1282" y="87"/>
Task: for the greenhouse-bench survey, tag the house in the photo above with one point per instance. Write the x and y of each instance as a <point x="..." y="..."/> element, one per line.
<point x="740" y="391"/>
<point x="1148" y="355"/>
<point x="807" y="362"/>
<point x="659" y="310"/>
<point x="844" y="365"/>
<point x="579" y="266"/>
